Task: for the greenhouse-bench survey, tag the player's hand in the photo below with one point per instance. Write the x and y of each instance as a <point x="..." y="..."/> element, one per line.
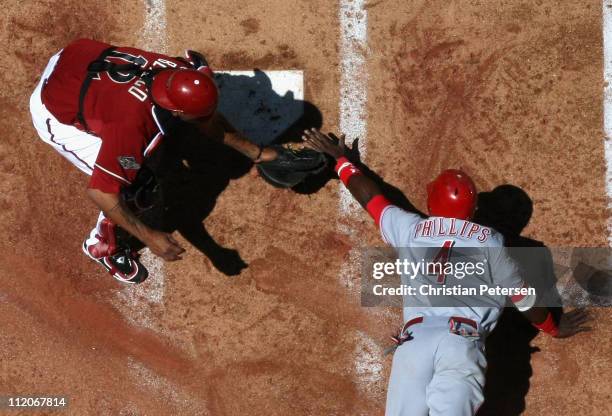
<point x="164" y="245"/>
<point x="573" y="322"/>
<point x="325" y="143"/>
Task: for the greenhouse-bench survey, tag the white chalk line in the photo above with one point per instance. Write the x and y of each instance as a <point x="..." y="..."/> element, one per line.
<point x="352" y="104"/>
<point x="154" y="36"/>
<point x="353" y="19"/>
<point x="607" y="103"/>
<point x="353" y="83"/>
<point x="137" y="302"/>
<point x="368" y="365"/>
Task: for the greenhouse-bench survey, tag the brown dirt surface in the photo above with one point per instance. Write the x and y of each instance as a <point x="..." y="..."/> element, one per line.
<point x="510" y="91"/>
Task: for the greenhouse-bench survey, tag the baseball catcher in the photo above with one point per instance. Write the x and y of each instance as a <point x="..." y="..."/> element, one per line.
<point x="439" y="363"/>
<point x="106" y="109"/>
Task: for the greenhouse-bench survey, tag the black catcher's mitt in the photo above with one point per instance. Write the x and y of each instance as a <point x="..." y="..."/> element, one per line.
<point x="292" y="166"/>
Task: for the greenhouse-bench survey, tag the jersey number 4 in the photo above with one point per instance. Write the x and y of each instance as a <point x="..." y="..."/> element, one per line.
<point x="440" y="260"/>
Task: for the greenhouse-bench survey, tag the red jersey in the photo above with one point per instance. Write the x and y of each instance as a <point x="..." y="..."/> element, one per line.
<point x="117" y="108"/>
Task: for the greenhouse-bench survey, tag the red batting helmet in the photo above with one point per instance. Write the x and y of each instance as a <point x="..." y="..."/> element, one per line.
<point x="188" y="91"/>
<point x="452" y="194"/>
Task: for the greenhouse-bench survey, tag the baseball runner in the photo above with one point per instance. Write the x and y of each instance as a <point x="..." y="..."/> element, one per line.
<point x="106" y="109"/>
<point x="439" y="363"/>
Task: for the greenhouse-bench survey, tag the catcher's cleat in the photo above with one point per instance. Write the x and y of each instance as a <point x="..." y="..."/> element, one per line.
<point x="123" y="265"/>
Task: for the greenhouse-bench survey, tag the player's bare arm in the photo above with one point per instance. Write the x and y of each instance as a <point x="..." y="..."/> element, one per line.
<point x="235" y="139"/>
<point x="220" y="129"/>
<point x="160" y="243"/>
<point x="361" y="187"/>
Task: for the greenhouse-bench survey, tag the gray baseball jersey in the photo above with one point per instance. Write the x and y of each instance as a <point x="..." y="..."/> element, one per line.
<point x="437" y="239"/>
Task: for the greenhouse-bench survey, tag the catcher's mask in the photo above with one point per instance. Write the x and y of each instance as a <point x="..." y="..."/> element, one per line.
<point x="188" y="91"/>
<point x="452" y="195"/>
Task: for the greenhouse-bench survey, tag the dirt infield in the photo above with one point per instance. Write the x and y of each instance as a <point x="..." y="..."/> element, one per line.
<point x="510" y="91"/>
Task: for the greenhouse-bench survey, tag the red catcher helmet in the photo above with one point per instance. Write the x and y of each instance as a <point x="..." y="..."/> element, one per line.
<point x="452" y="195"/>
<point x="188" y="91"/>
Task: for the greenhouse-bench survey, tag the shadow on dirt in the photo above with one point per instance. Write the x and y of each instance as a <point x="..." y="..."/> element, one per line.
<point x="193" y="172"/>
<point x="508" y="209"/>
<point x="252" y="104"/>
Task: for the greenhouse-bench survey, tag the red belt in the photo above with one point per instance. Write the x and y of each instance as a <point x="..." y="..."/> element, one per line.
<point x="463" y="320"/>
<point x="455" y="327"/>
<point x="458" y="326"/>
<point x="403" y="334"/>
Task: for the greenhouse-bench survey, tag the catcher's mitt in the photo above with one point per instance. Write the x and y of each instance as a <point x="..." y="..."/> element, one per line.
<point x="292" y="166"/>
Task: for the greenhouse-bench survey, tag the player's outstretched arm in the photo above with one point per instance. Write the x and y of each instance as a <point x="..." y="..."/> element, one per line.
<point x="161" y="244"/>
<point x="220" y="129"/>
<point x="570" y="323"/>
<point x="363" y="189"/>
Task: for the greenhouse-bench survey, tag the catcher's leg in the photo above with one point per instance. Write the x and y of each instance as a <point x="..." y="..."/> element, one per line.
<point x="120" y="261"/>
<point x="457" y="385"/>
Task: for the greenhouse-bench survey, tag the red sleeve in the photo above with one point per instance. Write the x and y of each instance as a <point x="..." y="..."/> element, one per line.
<point x="376" y="206"/>
<point x="119" y="158"/>
<point x="104" y="182"/>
